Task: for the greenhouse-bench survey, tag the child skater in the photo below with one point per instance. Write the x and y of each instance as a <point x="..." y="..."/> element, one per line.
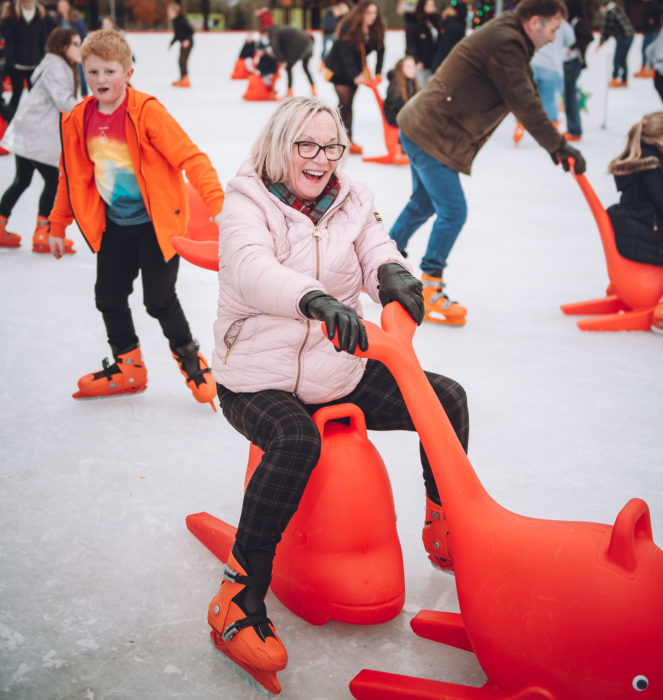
<point x="184" y="34"/>
<point x="403" y="84"/>
<point x="33" y="135"/>
<point x="120" y="173"/>
<point x="267" y="66"/>
<point x="638" y="172"/>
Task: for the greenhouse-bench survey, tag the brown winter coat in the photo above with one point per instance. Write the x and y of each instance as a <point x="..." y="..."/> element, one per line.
<point x="486" y="76"/>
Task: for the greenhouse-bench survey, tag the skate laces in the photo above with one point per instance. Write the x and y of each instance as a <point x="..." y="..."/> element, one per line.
<point x="439" y="294"/>
<point x="108" y="370"/>
<point x="190" y="364"/>
<point x="257" y="619"/>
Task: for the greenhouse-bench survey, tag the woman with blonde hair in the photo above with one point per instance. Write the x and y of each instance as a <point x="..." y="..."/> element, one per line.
<point x="638" y="171"/>
<point x="300" y="238"/>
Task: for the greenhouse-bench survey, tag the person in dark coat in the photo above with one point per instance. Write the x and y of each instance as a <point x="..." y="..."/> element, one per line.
<point x="486" y="76"/>
<point x="360" y="33"/>
<point x="616" y="24"/>
<point x="452" y="30"/>
<point x="421" y="33"/>
<point x="329" y="24"/>
<point x="290" y="45"/>
<point x="573" y="64"/>
<point x="403" y="85"/>
<point x="183" y="32"/>
<point x="638" y="171"/>
<point x="25" y="29"/>
<point x="651" y="23"/>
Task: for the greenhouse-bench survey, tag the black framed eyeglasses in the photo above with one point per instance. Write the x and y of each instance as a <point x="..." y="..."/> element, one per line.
<point x="309" y="149"/>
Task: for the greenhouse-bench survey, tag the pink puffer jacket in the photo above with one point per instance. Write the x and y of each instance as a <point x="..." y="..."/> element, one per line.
<point x="271" y="255"/>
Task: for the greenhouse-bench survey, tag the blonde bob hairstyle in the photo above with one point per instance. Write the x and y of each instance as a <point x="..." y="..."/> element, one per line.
<point x="273" y="152"/>
<point x="108" y="45"/>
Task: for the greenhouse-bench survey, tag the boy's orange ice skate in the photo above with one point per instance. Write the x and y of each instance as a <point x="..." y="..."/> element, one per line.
<point x="439" y="308"/>
<point x="435" y="537"/>
<point x="127" y="375"/>
<point x="7" y="239"/>
<point x="240" y="627"/>
<point x="196" y="372"/>
<point x="41" y="235"/>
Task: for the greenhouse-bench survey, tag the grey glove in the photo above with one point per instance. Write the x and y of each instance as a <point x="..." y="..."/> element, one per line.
<point x="336" y="316"/>
<point x="562" y="155"/>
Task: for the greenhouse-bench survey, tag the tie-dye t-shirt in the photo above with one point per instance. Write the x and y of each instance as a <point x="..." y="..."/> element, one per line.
<point x="114" y="174"/>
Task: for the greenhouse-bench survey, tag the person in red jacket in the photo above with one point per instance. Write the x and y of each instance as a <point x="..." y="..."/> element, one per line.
<point x="121" y="179"/>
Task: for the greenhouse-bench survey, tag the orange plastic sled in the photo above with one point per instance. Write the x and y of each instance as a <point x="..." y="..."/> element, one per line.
<point x="257" y="90"/>
<point x="635" y="288"/>
<point x="240" y="71"/>
<point x="200" y="246"/>
<point x="395" y="155"/>
<point x="340" y="557"/>
<point x="553" y="610"/>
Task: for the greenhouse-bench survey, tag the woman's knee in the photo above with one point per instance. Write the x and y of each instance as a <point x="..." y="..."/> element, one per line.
<point x="299" y="439"/>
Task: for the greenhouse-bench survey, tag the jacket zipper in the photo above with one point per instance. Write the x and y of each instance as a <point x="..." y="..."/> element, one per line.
<point x="232" y="345"/>
<point x="655" y="221"/>
<point x="317" y="235"/>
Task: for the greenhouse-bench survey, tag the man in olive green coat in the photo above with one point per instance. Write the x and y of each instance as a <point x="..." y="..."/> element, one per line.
<point x="486" y="76"/>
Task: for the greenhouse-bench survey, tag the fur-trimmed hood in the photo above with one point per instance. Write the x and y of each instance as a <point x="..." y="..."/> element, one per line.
<point x="651" y="158"/>
<point x="635" y="166"/>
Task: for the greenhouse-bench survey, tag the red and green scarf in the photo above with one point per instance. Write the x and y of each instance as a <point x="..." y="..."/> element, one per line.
<point x="316" y="209"/>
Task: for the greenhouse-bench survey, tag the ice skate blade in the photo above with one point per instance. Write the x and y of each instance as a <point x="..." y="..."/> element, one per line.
<point x="444" y="569"/>
<point x="46" y="250"/>
<point x="459" y="321"/>
<point x="264" y="681"/>
<point x="81" y="395"/>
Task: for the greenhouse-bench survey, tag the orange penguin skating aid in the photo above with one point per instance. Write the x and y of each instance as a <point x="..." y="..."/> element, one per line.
<point x="553" y="610"/>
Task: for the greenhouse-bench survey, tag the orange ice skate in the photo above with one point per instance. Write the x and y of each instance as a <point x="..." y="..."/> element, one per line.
<point x="240" y="627"/>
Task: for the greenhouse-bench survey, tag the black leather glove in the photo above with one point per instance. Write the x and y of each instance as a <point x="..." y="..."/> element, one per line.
<point x="336" y="316"/>
<point x="397" y="284"/>
<point x="562" y="155"/>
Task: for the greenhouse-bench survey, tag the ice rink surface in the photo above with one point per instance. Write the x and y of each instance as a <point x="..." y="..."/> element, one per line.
<point x="104" y="592"/>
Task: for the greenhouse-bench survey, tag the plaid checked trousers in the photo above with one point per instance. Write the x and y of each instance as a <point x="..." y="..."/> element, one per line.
<point x="281" y="425"/>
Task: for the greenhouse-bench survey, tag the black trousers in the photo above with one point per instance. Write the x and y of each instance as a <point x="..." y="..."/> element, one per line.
<point x="25" y="169"/>
<point x="126" y="251"/>
<point x="184" y="59"/>
<point x="658" y="83"/>
<point x="281" y="425"/>
<point x="18" y="77"/>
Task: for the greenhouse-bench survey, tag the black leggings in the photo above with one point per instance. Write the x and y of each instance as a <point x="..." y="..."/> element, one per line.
<point x="184" y="59"/>
<point x="289" y="66"/>
<point x="125" y="251"/>
<point x="658" y="83"/>
<point x="18" y="77"/>
<point x="346" y="94"/>
<point x="281" y="425"/>
<point x="25" y="169"/>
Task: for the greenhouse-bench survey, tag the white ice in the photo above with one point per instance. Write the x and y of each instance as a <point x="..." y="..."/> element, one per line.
<point x="104" y="592"/>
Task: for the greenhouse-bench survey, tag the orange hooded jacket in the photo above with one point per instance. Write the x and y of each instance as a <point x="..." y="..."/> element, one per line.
<point x="159" y="148"/>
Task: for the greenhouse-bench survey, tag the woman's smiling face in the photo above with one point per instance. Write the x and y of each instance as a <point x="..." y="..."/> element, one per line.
<point x="309" y="176"/>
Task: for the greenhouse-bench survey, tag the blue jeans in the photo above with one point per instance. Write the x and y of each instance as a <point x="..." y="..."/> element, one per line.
<point x="436" y="190"/>
<point x="647" y="39"/>
<point x="548" y="82"/>
<point x="619" y="69"/>
<point x="572" y="70"/>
